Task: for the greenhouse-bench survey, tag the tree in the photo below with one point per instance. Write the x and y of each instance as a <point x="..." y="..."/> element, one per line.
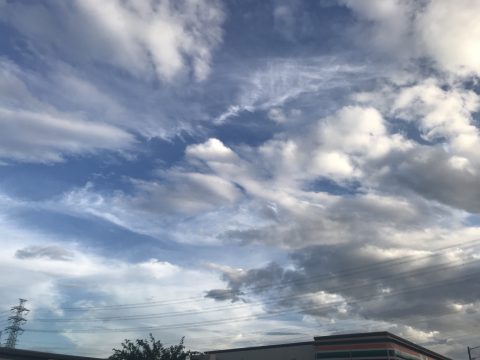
<point x="149" y="349"/>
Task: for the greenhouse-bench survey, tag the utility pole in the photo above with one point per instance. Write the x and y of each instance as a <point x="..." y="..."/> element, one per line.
<point x="16" y="322"/>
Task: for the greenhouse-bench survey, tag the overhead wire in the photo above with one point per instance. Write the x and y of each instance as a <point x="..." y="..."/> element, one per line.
<point x="305" y="337"/>
<point x="355" y="270"/>
<point x="189" y="325"/>
<point x="254" y="289"/>
<point x="261" y="315"/>
<point x="417" y="272"/>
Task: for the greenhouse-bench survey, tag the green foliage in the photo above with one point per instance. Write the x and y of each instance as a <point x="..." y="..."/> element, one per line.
<point x="149" y="349"/>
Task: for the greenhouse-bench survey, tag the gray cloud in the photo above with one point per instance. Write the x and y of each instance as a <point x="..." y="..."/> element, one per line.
<point x="46" y="252"/>
<point x="224" y="294"/>
<point x="426" y="291"/>
<point x="282" y="333"/>
<point x="428" y="171"/>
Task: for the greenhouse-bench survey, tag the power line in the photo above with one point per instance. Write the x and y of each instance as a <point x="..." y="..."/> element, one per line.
<point x="417" y="272"/>
<point x="343" y="330"/>
<point x="355" y="270"/>
<point x="306" y="337"/>
<point x="347" y="271"/>
<point x="261" y="315"/>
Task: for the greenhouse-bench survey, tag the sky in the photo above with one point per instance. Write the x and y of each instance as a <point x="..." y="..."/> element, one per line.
<point x="240" y="172"/>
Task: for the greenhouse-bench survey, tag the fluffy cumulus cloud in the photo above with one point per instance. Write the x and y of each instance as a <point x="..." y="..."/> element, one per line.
<point x="441" y="114"/>
<point x="443" y="32"/>
<point x="448" y="32"/>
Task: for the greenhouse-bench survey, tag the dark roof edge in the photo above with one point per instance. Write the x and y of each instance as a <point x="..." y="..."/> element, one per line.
<point x="261" y="347"/>
<point x="353" y="335"/>
<point x="387" y="334"/>
<point x="42" y="355"/>
<point x="399" y="339"/>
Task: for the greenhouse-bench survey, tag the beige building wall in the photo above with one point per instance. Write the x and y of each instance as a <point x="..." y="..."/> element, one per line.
<point x="299" y="352"/>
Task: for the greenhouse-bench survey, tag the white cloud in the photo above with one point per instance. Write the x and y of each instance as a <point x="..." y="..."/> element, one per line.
<point x="338" y="146"/>
<point x="187" y="193"/>
<point x="212" y="150"/>
<point x="348" y="185"/>
<point x="88" y="279"/>
<point x="43" y="137"/>
<point x="442" y="114"/>
<point x="445" y="32"/>
<point x="284" y="80"/>
<point x="156" y="207"/>
<point x="355" y="130"/>
<point x="347" y="146"/>
<point x="32" y="130"/>
<point x="349" y="138"/>
<point x="392" y="22"/>
<point x="277" y="115"/>
<point x="449" y="32"/>
<point x="161" y="39"/>
<point x="219" y="158"/>
<point x="332" y="164"/>
<point x="384" y="220"/>
<point x="438" y="160"/>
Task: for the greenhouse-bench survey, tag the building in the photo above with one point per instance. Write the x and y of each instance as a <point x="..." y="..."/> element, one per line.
<point x="297" y="351"/>
<point x="363" y="346"/>
<point x="17" y="354"/>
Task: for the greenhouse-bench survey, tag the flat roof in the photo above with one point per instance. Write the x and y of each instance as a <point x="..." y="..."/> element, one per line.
<point x="343" y="338"/>
<point x="261" y="347"/>
<point x="375" y="335"/>
<point x="21" y="354"/>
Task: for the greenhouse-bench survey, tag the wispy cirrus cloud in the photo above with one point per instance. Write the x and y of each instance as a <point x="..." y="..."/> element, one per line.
<point x="283" y="80"/>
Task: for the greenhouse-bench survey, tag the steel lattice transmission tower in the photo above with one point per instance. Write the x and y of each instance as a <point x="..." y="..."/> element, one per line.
<point x="16" y="322"/>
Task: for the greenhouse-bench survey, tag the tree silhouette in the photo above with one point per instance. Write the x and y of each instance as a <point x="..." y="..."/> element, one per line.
<point x="149" y="349"/>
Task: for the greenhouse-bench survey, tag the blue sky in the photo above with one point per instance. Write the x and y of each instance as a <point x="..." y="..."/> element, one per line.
<point x="251" y="172"/>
